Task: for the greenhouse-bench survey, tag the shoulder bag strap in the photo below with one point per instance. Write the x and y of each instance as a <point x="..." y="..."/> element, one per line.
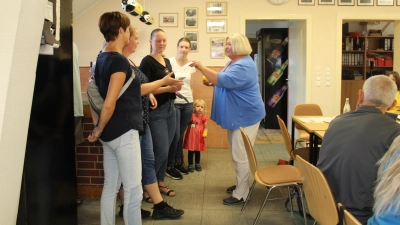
<point x="126" y="85"/>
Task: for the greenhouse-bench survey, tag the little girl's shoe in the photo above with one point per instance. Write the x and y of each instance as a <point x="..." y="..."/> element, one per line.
<point x="190" y="168"/>
<point x="198" y="167"/>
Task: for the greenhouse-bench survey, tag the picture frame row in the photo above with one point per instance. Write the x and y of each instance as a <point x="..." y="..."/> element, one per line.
<point x="217" y="44"/>
<point x="212" y="25"/>
<point x="351" y="2"/>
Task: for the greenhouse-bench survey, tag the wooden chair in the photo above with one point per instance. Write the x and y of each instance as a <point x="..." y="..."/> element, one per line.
<point x="271" y="176"/>
<point x="321" y="204"/>
<point x="303" y="152"/>
<point x="347" y="218"/>
<point x="305" y="110"/>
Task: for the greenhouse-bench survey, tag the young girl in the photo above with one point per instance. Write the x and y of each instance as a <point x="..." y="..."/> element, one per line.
<point x="195" y="134"/>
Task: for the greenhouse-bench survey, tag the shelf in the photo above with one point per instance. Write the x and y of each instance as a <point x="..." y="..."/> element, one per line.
<point x="375" y="51"/>
<point x="383" y="66"/>
<point x="380" y="36"/>
<point x="360" y="66"/>
<point x="354" y="51"/>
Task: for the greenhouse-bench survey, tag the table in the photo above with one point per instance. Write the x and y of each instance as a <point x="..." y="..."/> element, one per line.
<point x="318" y="135"/>
<point x="310" y="128"/>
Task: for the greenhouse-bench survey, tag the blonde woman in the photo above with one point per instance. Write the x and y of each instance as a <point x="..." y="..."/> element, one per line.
<point x="236" y="103"/>
<point x="387" y="190"/>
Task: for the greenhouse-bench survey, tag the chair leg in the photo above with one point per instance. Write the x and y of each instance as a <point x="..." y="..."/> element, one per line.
<point x="248" y="196"/>
<point x="290" y="199"/>
<point x="302" y="203"/>
<point x="315" y="222"/>
<point x="262" y="206"/>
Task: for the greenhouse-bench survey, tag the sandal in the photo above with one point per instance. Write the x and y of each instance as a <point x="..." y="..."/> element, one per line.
<point x="169" y="191"/>
<point x="147" y="199"/>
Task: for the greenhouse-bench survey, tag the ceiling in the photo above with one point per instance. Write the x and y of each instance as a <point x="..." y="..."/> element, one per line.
<point x="80" y="6"/>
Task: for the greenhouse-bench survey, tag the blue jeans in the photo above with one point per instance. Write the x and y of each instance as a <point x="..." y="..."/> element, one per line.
<point x="146" y="145"/>
<point x="162" y="126"/>
<point x="183" y="116"/>
<point x="122" y="160"/>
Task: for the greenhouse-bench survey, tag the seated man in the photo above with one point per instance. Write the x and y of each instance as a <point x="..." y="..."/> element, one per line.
<point x="353" y="144"/>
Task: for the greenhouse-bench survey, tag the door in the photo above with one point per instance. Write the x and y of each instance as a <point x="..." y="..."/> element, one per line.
<point x="297" y="74"/>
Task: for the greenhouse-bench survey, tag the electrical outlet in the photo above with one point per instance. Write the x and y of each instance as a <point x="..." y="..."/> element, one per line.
<point x="141" y="53"/>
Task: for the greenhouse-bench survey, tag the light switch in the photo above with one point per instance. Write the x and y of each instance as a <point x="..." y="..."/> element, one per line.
<point x="318" y="76"/>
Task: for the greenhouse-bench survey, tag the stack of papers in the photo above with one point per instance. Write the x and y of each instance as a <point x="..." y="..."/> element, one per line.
<point x="319" y="119"/>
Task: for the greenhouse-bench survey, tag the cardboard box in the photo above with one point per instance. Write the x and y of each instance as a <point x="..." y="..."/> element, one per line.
<point x="375" y="33"/>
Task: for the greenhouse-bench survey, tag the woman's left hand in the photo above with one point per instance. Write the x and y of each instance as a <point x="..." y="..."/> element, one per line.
<point x="153" y="101"/>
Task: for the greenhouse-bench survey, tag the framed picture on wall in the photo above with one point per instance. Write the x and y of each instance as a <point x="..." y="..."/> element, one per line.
<point x="190" y="19"/>
<point x="365" y="2"/>
<point x="326" y="2"/>
<point x="306" y="2"/>
<point x="217" y="47"/>
<point x="345" y="2"/>
<point x="384" y="2"/>
<point x="168" y="20"/>
<point x="216" y="26"/>
<point x="216" y="8"/>
<point x="193" y="36"/>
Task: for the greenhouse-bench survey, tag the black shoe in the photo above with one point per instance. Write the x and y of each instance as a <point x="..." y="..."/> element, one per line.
<point x="197" y="167"/>
<point x="231" y="189"/>
<point x="232" y="200"/>
<point x="145" y="213"/>
<point x="121" y="211"/>
<point x="174" y="174"/>
<point x="167" y="212"/>
<point x="179" y="166"/>
<point x="190" y="168"/>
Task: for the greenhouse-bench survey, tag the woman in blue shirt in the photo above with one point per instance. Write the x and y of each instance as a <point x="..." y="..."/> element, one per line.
<point x="236" y="103"/>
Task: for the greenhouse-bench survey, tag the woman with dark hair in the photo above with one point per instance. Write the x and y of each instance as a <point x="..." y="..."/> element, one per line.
<point x="119" y="123"/>
<point x="162" y="121"/>
<point x="396" y="78"/>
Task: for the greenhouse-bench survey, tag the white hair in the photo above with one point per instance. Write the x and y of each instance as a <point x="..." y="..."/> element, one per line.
<point x="379" y="91"/>
<point x="387" y="190"/>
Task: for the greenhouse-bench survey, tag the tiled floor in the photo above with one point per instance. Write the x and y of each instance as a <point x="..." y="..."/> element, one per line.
<point x="200" y="194"/>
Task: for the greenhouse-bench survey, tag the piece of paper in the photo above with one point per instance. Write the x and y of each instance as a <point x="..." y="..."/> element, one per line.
<point x="323" y="119"/>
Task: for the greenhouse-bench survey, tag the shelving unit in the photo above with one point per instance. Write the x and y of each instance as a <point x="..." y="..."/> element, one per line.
<point x="370" y="46"/>
<point x="359" y="60"/>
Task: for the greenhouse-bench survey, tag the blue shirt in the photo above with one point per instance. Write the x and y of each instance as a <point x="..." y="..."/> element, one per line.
<point x="237" y="100"/>
<point x="390" y="218"/>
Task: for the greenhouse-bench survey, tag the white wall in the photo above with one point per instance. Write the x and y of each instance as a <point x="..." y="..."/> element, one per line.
<point x="322" y="51"/>
<point x="21" y="22"/>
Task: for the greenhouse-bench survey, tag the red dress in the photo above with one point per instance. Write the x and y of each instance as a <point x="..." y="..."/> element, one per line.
<point x="194" y="140"/>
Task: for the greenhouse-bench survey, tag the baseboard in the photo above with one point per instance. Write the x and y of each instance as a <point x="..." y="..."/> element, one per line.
<point x="89" y="191"/>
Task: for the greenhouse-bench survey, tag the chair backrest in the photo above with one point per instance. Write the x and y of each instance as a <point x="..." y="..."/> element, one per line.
<point x="321" y="204"/>
<point x="307" y="110"/>
<point x="286" y="138"/>
<point x="348" y="218"/>
<point x="251" y="156"/>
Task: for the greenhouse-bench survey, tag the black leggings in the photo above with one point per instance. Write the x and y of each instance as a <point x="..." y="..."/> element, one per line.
<point x="196" y="157"/>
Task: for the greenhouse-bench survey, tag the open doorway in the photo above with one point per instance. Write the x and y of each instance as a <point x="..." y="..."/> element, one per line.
<point x="299" y="61"/>
<point x="342" y="18"/>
